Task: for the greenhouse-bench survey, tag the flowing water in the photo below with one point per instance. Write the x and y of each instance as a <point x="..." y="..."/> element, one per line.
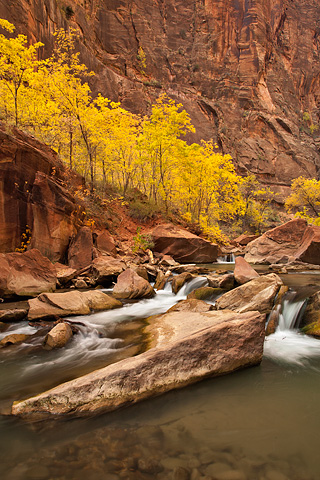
<point x="261" y="423"/>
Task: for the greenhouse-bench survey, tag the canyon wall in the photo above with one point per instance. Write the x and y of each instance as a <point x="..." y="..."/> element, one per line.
<point x="36" y="207"/>
<point x="247" y="71"/>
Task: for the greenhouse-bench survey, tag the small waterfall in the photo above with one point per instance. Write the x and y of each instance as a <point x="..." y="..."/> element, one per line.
<point x="228" y="258"/>
<point x="288" y="344"/>
<point x="291" y="311"/>
<point x="192" y="285"/>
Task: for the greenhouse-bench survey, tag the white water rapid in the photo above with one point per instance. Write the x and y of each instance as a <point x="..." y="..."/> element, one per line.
<point x="95" y="338"/>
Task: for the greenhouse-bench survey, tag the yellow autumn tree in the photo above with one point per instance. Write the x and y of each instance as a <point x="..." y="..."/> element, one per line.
<point x="162" y="148"/>
<point x="18" y="64"/>
<point x="305" y="199"/>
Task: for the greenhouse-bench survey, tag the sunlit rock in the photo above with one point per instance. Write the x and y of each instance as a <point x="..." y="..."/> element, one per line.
<point x="258" y="294"/>
<point x="183" y="349"/>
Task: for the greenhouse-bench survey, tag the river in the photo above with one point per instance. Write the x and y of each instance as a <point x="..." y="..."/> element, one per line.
<point x="260" y="423"/>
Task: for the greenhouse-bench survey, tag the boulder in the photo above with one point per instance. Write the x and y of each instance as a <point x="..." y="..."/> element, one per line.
<point x="79" y="284"/>
<point x="13" y="315"/>
<point x="310" y="322"/>
<point x="243" y="272"/>
<point x="64" y="273"/>
<point x="162" y="279"/>
<point x="204" y="293"/>
<point x="179" y="280"/>
<point x="168" y="261"/>
<point x="105" y="267"/>
<point x="295" y="240"/>
<point x="26" y="274"/>
<point x="141" y="271"/>
<point x="182" y="245"/>
<point x="70" y="303"/>
<point x="58" y="336"/>
<point x="81" y="253"/>
<point x="191" y="305"/>
<point x="184" y="349"/>
<point x="258" y="294"/>
<point x="130" y="285"/>
<point x="104" y="242"/>
<point x="244" y="239"/>
<point x="13" y="339"/>
<point x="225" y="281"/>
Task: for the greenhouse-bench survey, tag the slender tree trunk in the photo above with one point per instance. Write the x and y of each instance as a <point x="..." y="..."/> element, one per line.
<point x="70" y="148"/>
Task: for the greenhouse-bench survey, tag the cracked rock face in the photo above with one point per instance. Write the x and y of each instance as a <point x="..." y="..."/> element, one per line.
<point x="245" y="71"/>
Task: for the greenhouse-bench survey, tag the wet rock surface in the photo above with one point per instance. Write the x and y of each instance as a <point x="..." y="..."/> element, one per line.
<point x="184" y="349"/>
<point x="58" y="336"/>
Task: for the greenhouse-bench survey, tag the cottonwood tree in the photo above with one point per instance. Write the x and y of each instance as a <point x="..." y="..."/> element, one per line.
<point x="305" y="199"/>
<point x="18" y="64"/>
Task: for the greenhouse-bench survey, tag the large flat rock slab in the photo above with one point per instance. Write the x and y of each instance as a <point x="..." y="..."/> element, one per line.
<point x="183" y="349"/>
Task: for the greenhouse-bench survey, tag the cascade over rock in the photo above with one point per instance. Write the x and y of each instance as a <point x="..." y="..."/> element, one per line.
<point x="245" y="71"/>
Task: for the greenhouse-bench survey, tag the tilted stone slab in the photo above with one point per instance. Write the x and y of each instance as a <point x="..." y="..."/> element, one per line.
<point x="185" y="348"/>
<point x="70" y="303"/>
<point x="258" y="294"/>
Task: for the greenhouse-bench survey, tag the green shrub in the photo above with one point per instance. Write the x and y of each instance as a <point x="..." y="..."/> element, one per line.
<point x="142" y="240"/>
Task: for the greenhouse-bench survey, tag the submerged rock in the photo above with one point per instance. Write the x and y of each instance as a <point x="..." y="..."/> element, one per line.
<point x="70" y="303"/>
<point x="131" y="285"/>
<point x="184" y="349"/>
<point x="183" y="246"/>
<point x="258" y="294"/>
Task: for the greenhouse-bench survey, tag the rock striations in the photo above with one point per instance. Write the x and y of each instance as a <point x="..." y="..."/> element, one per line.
<point x="245" y="71"/>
